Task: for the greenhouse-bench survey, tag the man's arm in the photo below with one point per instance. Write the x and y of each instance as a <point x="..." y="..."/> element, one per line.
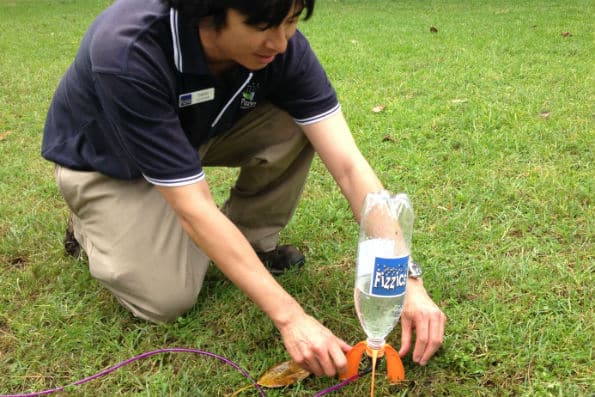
<point x="337" y="149"/>
<point x="308" y="342"/>
<point x="333" y="142"/>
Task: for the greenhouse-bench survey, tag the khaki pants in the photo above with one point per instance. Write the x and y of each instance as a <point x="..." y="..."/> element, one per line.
<point x="135" y="244"/>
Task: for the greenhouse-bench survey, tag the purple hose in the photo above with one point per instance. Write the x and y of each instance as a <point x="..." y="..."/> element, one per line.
<point x="176" y="350"/>
<point x="140" y="357"/>
<point x="335" y="387"/>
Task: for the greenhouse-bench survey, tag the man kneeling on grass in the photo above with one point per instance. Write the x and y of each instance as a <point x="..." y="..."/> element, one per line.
<point x="158" y="91"/>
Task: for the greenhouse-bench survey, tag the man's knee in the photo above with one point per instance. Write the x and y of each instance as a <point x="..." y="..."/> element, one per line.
<point x="172" y="307"/>
<point x="155" y="302"/>
<point x="160" y="307"/>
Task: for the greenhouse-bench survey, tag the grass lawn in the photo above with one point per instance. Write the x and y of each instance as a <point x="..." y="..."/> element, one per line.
<point x="488" y="123"/>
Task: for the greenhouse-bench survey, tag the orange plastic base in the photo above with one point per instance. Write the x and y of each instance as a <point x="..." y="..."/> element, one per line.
<point x="394" y="365"/>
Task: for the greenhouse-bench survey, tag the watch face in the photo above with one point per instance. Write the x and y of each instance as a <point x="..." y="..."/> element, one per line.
<point x="414" y="269"/>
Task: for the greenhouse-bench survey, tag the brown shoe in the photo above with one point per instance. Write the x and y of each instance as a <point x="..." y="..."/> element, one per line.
<point x="71" y="246"/>
<point x="282" y="258"/>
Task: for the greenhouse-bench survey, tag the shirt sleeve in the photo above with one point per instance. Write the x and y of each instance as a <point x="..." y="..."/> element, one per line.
<point x="145" y="124"/>
<point x="303" y="88"/>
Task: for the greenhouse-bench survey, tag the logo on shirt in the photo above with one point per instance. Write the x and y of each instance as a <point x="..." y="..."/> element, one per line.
<point x="247" y="101"/>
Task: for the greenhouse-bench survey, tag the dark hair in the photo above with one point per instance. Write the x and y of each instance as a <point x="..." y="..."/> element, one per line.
<point x="267" y="12"/>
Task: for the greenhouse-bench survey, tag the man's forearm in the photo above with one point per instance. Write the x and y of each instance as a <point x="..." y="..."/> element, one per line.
<point x="227" y="247"/>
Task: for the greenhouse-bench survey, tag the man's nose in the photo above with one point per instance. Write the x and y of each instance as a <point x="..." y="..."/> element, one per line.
<point x="277" y="39"/>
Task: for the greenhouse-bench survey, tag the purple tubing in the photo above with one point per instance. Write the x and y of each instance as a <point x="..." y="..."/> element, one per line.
<point x="140" y="357"/>
<point x="335" y="387"/>
<point x="176" y="350"/>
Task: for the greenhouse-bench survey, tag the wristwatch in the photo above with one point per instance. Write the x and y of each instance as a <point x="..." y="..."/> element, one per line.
<point x="414" y="269"/>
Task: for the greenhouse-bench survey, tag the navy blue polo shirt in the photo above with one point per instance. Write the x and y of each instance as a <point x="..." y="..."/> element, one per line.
<point x="139" y="99"/>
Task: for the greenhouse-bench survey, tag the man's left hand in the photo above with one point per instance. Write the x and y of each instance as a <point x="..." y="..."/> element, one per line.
<point x="421" y="314"/>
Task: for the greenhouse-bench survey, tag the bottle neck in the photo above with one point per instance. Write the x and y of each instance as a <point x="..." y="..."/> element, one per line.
<point x="376" y="343"/>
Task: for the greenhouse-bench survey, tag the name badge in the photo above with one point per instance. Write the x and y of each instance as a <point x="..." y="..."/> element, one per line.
<point x="200" y="96"/>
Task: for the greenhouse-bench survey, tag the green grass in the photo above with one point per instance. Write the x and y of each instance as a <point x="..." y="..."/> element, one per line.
<point x="489" y="126"/>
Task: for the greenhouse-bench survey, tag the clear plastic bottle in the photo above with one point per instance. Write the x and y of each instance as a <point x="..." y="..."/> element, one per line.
<point x="386" y="227"/>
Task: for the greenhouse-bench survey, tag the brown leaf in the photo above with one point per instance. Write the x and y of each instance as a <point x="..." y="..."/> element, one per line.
<point x="279" y="375"/>
<point x="378" y="108"/>
<point x="389" y="138"/>
<point x="283" y="374"/>
<point x="545" y="114"/>
<point x="433" y="29"/>
<point x="4" y="135"/>
<point x="566" y="34"/>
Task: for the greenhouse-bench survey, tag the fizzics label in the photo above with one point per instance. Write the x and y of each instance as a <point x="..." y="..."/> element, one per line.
<point x="389" y="277"/>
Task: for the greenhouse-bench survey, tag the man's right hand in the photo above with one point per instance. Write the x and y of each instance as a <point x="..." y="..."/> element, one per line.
<point x="313" y="346"/>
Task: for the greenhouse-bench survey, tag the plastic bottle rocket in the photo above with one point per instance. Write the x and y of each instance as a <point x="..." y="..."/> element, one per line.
<point x="386" y="227"/>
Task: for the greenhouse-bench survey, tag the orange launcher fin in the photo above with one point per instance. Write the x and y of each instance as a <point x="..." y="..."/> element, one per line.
<point x="354" y="357"/>
<point x="394" y="365"/>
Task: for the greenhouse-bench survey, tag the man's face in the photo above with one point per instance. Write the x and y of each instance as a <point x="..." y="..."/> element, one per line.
<point x="254" y="47"/>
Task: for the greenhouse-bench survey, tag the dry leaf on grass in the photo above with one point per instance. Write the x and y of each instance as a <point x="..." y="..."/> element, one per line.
<point x="378" y="108"/>
<point x="4" y="135"/>
<point x="279" y="375"/>
<point x="283" y="374"/>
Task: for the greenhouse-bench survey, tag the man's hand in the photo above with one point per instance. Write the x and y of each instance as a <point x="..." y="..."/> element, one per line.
<point x="313" y="346"/>
<point x="423" y="315"/>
